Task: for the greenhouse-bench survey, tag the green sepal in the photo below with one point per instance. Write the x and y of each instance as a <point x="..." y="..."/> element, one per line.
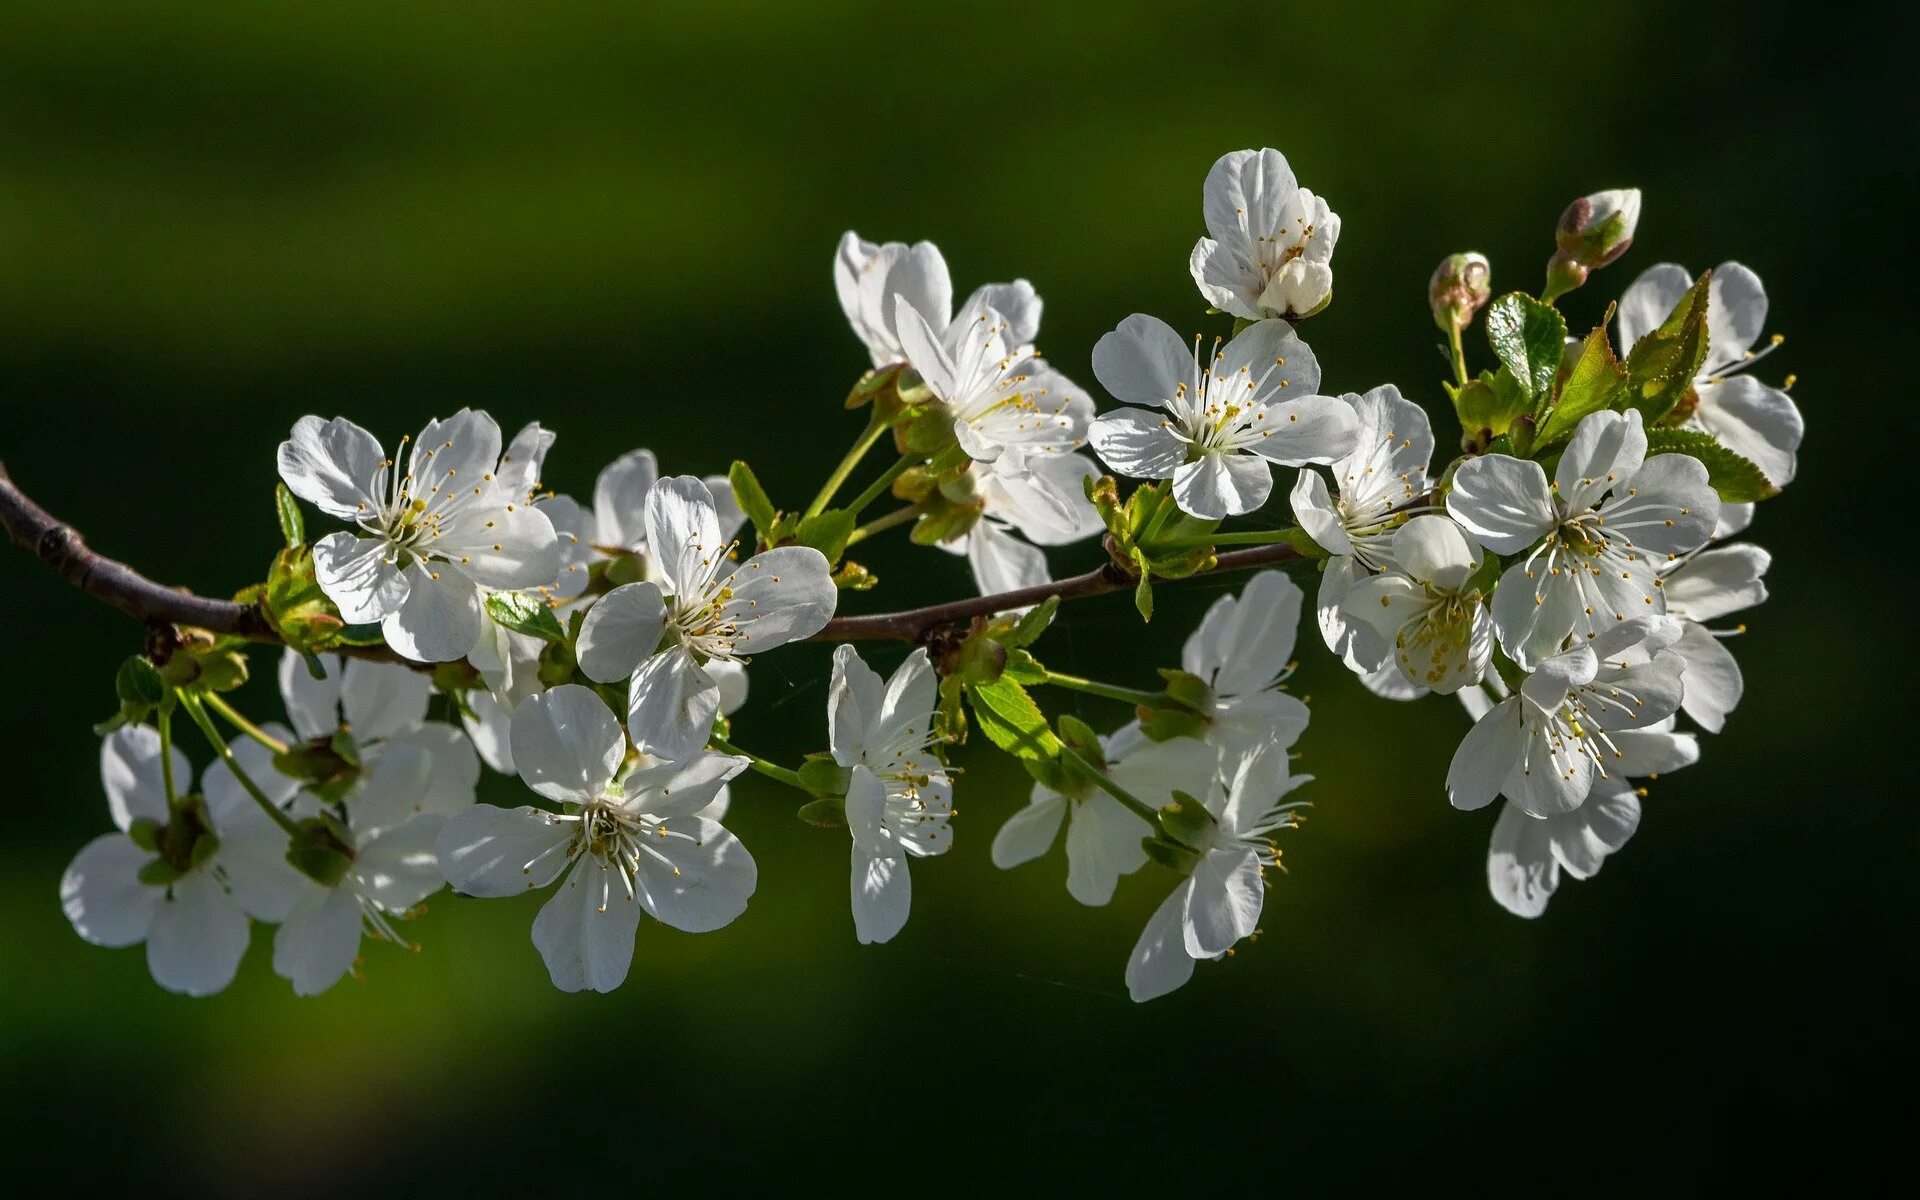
<point x="1143" y="588"/>
<point x="525" y="612"/>
<point x="311" y="762"/>
<point x="850" y="576"/>
<point x="144" y="832"/>
<point x="1170" y="854"/>
<point x="621" y="570"/>
<point x="1593" y="383"/>
<point x="139" y="687"/>
<point x="950" y="718"/>
<point x="1057" y="776"/>
<point x="555" y="665"/>
<point x="1661" y="366"/>
<point x="874" y="384"/>
<point x="322" y="864"/>
<point x="1187" y="821"/>
<point x="204" y="848"/>
<point x="980" y="660"/>
<point x="1737" y="479"/>
<point x="1011" y="720"/>
<point x="824" y="777"/>
<point x="929" y="433"/>
<point x="827" y="532"/>
<point x="1487" y="407"/>
<point x="1082" y="740"/>
<point x="344" y="747"/>
<point x="158" y="873"/>
<point x="1166" y="724"/>
<point x="1527" y="336"/>
<point x="1187" y="689"/>
<point x="293" y="527"/>
<point x="220" y="670"/>
<point x="943" y="521"/>
<point x="827" y="812"/>
<point x="753" y="499"/>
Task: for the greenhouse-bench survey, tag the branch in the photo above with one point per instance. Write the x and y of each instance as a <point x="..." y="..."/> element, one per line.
<point x="61" y="547"/>
<point x="919" y="624"/>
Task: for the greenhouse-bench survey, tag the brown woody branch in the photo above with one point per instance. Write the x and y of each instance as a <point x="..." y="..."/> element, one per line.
<point x="61" y="547"/>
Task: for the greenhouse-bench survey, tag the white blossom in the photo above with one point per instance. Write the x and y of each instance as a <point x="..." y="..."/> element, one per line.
<point x="899" y="797"/>
<point x="634" y="843"/>
<point x="393" y="870"/>
<point x="1594" y="541"/>
<point x="1438" y="632"/>
<point x="1754" y="420"/>
<point x="182" y="881"/>
<point x="430" y="537"/>
<point x="1243" y="651"/>
<point x="1386" y="470"/>
<point x="1103" y="835"/>
<point x="1218" y="903"/>
<point x="1544" y="747"/>
<point x="383" y="708"/>
<point x="1702" y="587"/>
<point x="1270" y="253"/>
<point x="1042" y="497"/>
<point x="1226" y="418"/>
<point x="705" y="609"/>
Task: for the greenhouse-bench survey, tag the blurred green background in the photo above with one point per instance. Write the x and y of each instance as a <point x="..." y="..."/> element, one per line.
<point x="619" y="219"/>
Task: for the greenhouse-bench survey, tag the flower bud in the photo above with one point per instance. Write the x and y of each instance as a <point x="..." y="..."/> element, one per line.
<point x="1597" y="229"/>
<point x="1461" y="286"/>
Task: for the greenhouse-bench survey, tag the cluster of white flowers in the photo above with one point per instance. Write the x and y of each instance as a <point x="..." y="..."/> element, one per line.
<point x="1557" y="578"/>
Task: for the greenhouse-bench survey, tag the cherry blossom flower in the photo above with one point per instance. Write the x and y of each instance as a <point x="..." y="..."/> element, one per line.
<point x="1226" y="419"/>
<point x="1386" y="470"/>
<point x="1702" y="587"/>
<point x="1752" y="419"/>
<point x="392" y="871"/>
<point x="430" y="538"/>
<point x="1439" y="633"/>
<point x="706" y="608"/>
<point x="1243" y="651"/>
<point x="1594" y="541"/>
<point x="625" y="845"/>
<point x="1270" y="253"/>
<point x="1544" y="747"/>
<point x="183" y="879"/>
<point x="1219" y="901"/>
<point x="1040" y="496"/>
<point x="869" y="277"/>
<point x="899" y="798"/>
<point x="1103" y="835"/>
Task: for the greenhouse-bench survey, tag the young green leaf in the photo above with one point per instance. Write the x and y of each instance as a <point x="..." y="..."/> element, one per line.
<point x="1595" y="381"/>
<point x="1528" y="337"/>
<point x="293" y="526"/>
<point x="1736" y="479"/>
<point x="1027" y="630"/>
<point x="1662" y="365"/>
<point x="752" y="499"/>
<point x="1491" y="403"/>
<point x="827" y="532"/>
<point x="1012" y="721"/>
<point x="524" y="613"/>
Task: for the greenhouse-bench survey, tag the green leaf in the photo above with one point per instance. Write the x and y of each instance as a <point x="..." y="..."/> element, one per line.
<point x="1023" y="667"/>
<point x="1492" y="403"/>
<point x="1736" y="479"/>
<point x="138" y="684"/>
<point x="293" y="527"/>
<point x="822" y="776"/>
<point x="1085" y="742"/>
<point x="525" y="613"/>
<point x="1027" y="630"/>
<point x="827" y="532"/>
<point x="1527" y="336"/>
<point x="1596" y="379"/>
<point x="752" y="499"/>
<point x="1662" y="365"/>
<point x="1143" y="591"/>
<point x="1012" y="721"/>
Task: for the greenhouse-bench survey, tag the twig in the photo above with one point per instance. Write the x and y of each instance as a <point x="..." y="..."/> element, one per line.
<point x="61" y="547"/>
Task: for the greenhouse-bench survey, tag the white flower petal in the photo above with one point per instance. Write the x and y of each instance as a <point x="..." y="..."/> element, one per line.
<point x="1159" y="962"/>
<point x="670" y="706"/>
<point x="400" y="867"/>
<point x="1314" y="511"/>
<point x="1487" y="755"/>
<point x="331" y="465"/>
<point x="131" y="773"/>
<point x="356" y="574"/>
<point x="856" y="699"/>
<point x="621" y="631"/>
<point x="253" y="862"/>
<point x="1606" y="450"/>
<point x="567" y="744"/>
<point x="1503" y="502"/>
<point x="313" y="705"/>
<point x="585" y="932"/>
<point x="670" y="789"/>
<point x="197" y="937"/>
<point x="683" y="532"/>
<point x="1736" y="315"/>
<point x="489" y="851"/>
<point x="1521" y="872"/>
<point x="1103" y="843"/>
<point x="620" y="498"/>
<point x="1758" y="422"/>
<point x="1432" y="549"/>
<point x="1244" y="648"/>
<point x="453" y="454"/>
<point x="1224" y="903"/>
<point x="319" y="941"/>
<point x="882" y="896"/>
<point x="501" y="541"/>
<point x="1030" y="832"/>
<point x="102" y="895"/>
<point x="382" y="699"/>
<point x="1222" y="485"/>
<point x="1138" y="443"/>
<point x="1002" y="562"/>
<point x="708" y="883"/>
<point x="1143" y="361"/>
<point x="1713" y="684"/>
<point x="1650" y="300"/>
<point x="441" y="618"/>
<point x="784" y="595"/>
<point x="1719" y="581"/>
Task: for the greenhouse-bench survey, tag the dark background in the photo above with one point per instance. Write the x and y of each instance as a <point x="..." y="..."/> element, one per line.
<point x="214" y="220"/>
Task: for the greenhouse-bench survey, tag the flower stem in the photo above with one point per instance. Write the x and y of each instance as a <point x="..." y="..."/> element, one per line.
<point x="1459" y="354"/>
<point x="868" y="437"/>
<point x="1252" y="537"/>
<point x="1134" y="804"/>
<point x="163" y="719"/>
<point x="191" y="703"/>
<point x="899" y="516"/>
<point x="1094" y="687"/>
<point x="878" y="487"/>
<point x="770" y="770"/>
<point x="233" y="718"/>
